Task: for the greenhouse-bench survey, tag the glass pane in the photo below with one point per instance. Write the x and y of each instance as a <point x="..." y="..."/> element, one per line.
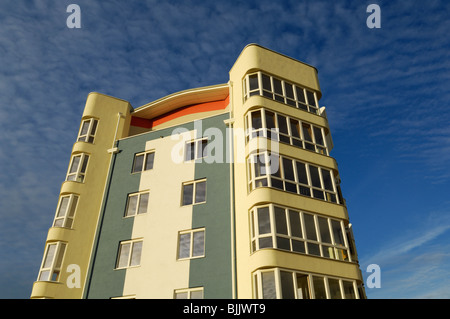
<point x="270" y="120"/>
<point x="260" y="166"/>
<point x="256" y="120"/>
<point x="138" y="163"/>
<point x="85" y="161"/>
<point x="181" y="295"/>
<point x="311" y="100"/>
<point x="73" y="206"/>
<point x="197" y="294"/>
<point x="132" y="204"/>
<point x="143" y="203"/>
<point x="298" y="246"/>
<point x="188" y="191"/>
<point x="288" y="169"/>
<point x="307" y="133"/>
<point x="335" y="289"/>
<point x="94" y="127"/>
<point x="315" y="178"/>
<point x="50" y="255"/>
<point x="199" y="244"/>
<point x="265" y="242"/>
<point x="84" y="128"/>
<point x="282" y="125"/>
<point x="190" y="151"/>
<point x="266" y="83"/>
<point x="123" y="255"/>
<point x="200" y="192"/>
<point x="349" y="290"/>
<point x="136" y="254"/>
<point x="310" y="227"/>
<point x="184" y="246"/>
<point x="263" y="220"/>
<point x="253" y="81"/>
<point x="295" y="128"/>
<point x="318" y="136"/>
<point x="62" y="249"/>
<point x="294" y="220"/>
<point x="44" y="276"/>
<point x="319" y="288"/>
<point x="75" y="163"/>
<point x="300" y="95"/>
<point x="274" y="162"/>
<point x="63" y="206"/>
<point x="327" y="182"/>
<point x="313" y="249"/>
<point x="202" y="148"/>
<point x="324" y="230"/>
<point x="58" y="222"/>
<point x="337" y="232"/>
<point x="287" y="285"/>
<point x="150" y="157"/>
<point x="277" y="87"/>
<point x="301" y="173"/>
<point x="280" y="221"/>
<point x="302" y="286"/>
<point x="283" y="243"/>
<point x="268" y="285"/>
<point x="289" y="90"/>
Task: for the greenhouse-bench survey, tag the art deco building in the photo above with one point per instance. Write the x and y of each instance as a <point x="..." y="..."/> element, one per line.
<point x="225" y="191"/>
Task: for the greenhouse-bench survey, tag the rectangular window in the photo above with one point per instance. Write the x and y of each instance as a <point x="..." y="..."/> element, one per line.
<point x="285" y="129"/>
<point x="292" y="176"/>
<point x="65" y="211"/>
<point x="129" y="254"/>
<point x="143" y="162"/>
<point x="88" y="130"/>
<point x="189" y="293"/>
<point x="273" y="226"/>
<point x="196" y="149"/>
<point x="137" y="204"/>
<point x="77" y="168"/>
<point x="194" y="192"/>
<point x="191" y="244"/>
<point x="52" y="261"/>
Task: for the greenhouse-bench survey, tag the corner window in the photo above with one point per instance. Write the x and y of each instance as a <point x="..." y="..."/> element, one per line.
<point x="143" y="162"/>
<point x="77" y="168"/>
<point x="194" y="192"/>
<point x="137" y="204"/>
<point x="51" y="264"/>
<point x="65" y="211"/>
<point x="191" y="244"/>
<point x="129" y="254"/>
<point x="88" y="130"/>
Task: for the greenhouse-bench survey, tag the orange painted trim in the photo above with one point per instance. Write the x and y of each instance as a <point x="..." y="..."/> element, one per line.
<point x="187" y="110"/>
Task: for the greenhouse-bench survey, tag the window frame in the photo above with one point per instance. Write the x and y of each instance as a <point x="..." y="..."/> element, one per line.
<point x="278" y="180"/>
<point x="55" y="264"/>
<point x="288" y="137"/>
<point x="336" y="250"/>
<point x="138" y="203"/>
<point x="188" y="292"/>
<point x="294" y="101"/>
<point x="80" y="172"/>
<point x="144" y="168"/>
<point x="70" y="210"/>
<point x="194" y="191"/>
<point x="92" y="128"/>
<point x="191" y="233"/>
<point x="129" y="257"/>
<point x="258" y="284"/>
<point x="195" y="155"/>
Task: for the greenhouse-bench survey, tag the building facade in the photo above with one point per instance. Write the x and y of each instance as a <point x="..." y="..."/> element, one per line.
<point x="226" y="191"/>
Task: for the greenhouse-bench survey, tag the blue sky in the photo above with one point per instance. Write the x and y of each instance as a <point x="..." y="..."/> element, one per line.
<point x="386" y="91"/>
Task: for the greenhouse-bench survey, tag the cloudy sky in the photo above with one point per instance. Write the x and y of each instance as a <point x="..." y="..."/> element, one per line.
<point x="386" y="91"/>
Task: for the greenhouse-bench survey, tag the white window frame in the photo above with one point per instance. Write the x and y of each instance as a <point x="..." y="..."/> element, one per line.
<point x="78" y="173"/>
<point x="65" y="218"/>
<point x="265" y="180"/>
<point x="258" y="286"/>
<point x="330" y="250"/>
<point x="198" y="145"/>
<point x="137" y="208"/>
<point x="52" y="264"/>
<point x="188" y="292"/>
<point x="191" y="233"/>
<point x="194" y="191"/>
<point x="129" y="257"/>
<point x="145" y="156"/>
<point x="89" y="135"/>
<point x="309" y="106"/>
